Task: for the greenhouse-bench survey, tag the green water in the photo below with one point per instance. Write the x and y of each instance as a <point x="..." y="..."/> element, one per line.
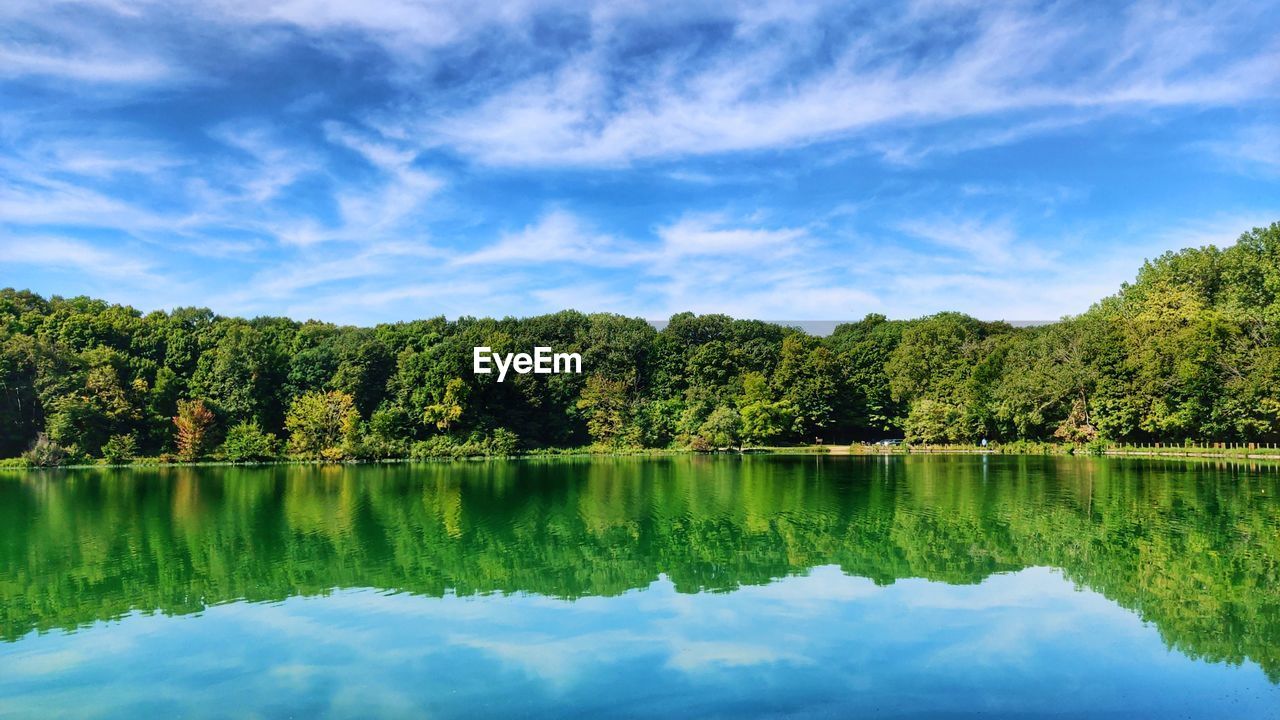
<point x="709" y="587"/>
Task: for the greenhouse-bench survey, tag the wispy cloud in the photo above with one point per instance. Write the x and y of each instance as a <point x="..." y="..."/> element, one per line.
<point x="557" y="237"/>
<point x="711" y="235"/>
<point x="357" y="162"/>
<point x="1253" y="149"/>
<point x="16" y="62"/>
<point x="750" y="95"/>
<point x="63" y="254"/>
<point x="984" y="243"/>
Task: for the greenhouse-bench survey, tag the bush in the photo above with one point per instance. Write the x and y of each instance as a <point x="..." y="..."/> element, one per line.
<point x="700" y="444"/>
<point x="1097" y="446"/>
<point x="119" y="449"/>
<point x="384" y="436"/>
<point x="247" y="442"/>
<point x="501" y="443"/>
<point x="47" y="453"/>
<point x="17" y="463"/>
<point x="722" y="428"/>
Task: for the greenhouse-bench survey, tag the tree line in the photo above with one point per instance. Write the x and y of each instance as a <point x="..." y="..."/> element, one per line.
<point x="1190" y="350"/>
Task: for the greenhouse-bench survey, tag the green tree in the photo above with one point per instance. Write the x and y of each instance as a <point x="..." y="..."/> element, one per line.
<point x="241" y="374"/>
<point x="605" y="404"/>
<point x="449" y="409"/>
<point x="247" y="442"/>
<point x="808" y="383"/>
<point x="323" y="426"/>
<point x="867" y="408"/>
<point x="119" y="449"/>
<point x="102" y="401"/>
<point x="764" y="420"/>
<point x="722" y="428"/>
<point x="933" y="421"/>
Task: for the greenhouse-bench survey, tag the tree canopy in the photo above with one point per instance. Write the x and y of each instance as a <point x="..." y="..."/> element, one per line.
<point x="1190" y="350"/>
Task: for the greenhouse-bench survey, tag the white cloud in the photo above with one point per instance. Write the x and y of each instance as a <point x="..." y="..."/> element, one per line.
<point x="749" y="96"/>
<point x="56" y="202"/>
<point x="63" y="254"/>
<point x="700" y="234"/>
<point x="81" y="67"/>
<point x="557" y="237"/>
<point x="1254" y="149"/>
<point x="403" y="191"/>
<point x="374" y="198"/>
<point x="986" y="243"/>
<point x="779" y="77"/>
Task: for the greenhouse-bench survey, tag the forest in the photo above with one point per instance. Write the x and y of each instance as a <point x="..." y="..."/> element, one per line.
<point x="1188" y="351"/>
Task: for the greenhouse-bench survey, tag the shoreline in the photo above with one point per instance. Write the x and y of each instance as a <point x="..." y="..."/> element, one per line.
<point x="855" y="450"/>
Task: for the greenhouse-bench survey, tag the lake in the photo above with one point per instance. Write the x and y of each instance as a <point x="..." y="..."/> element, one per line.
<point x="763" y="586"/>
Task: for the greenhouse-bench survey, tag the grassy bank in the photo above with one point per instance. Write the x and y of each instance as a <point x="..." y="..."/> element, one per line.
<point x="585" y="451"/>
<point x="1240" y="451"/>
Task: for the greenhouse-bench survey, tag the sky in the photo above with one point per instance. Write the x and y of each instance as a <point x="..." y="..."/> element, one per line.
<point x="360" y="162"/>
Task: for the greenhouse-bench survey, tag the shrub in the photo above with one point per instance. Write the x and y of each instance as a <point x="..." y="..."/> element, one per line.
<point x="247" y="442"/>
<point x="502" y="442"/>
<point x="119" y="449"/>
<point x="47" y="453"/>
<point x="384" y="436"/>
<point x="1097" y="446"/>
<point x="700" y="444"/>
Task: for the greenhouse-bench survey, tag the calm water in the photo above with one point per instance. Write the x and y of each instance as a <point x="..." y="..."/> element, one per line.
<point x="730" y="587"/>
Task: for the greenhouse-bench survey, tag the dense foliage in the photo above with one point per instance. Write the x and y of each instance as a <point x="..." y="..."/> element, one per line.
<point x="1189" y="351"/>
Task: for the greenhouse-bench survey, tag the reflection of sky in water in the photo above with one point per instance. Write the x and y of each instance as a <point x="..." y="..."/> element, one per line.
<point x="1019" y="644"/>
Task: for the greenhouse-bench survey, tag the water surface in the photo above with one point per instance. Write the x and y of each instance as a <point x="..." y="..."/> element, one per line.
<point x="715" y="587"/>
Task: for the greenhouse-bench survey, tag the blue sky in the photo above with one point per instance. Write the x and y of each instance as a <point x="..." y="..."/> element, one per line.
<point x="362" y="162"/>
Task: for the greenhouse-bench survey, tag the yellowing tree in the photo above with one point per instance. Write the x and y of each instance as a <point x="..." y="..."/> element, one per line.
<point x="449" y="409"/>
<point x="605" y="404"/>
<point x="323" y="426"/>
<point x="193" y="422"/>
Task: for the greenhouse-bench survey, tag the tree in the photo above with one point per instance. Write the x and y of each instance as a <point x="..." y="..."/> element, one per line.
<point x="1189" y="350"/>
<point x="242" y="375"/>
<point x="20" y="417"/>
<point x="656" y="422"/>
<point x="866" y="406"/>
<point x="323" y="426"/>
<point x="94" y="398"/>
<point x="766" y="422"/>
<point x="247" y="442"/>
<point x="934" y="356"/>
<point x="449" y="409"/>
<point x="605" y="404"/>
<point x="46" y="453"/>
<point x="722" y="428"/>
<point x="763" y="420"/>
<point x="808" y="383"/>
<point x="933" y="422"/>
<point x="119" y="449"/>
<point x="193" y="422"/>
